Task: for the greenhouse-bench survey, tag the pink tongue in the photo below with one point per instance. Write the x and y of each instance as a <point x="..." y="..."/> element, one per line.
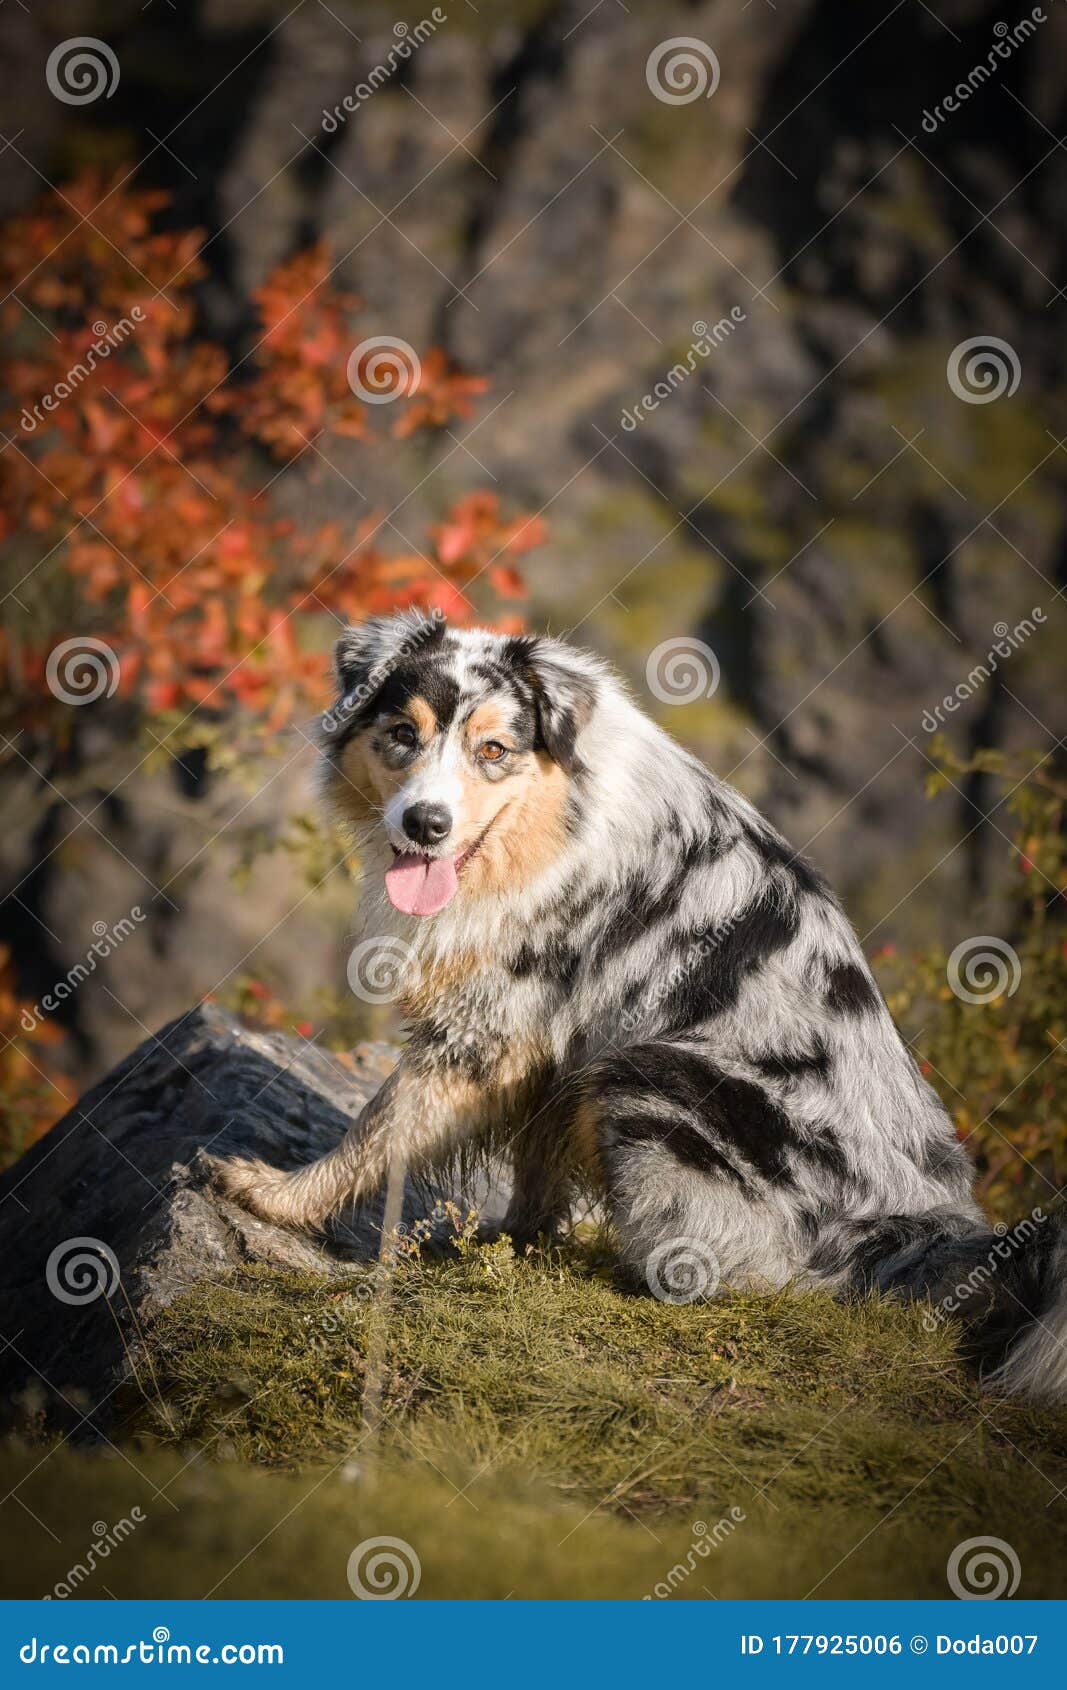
<point x="420" y="885"/>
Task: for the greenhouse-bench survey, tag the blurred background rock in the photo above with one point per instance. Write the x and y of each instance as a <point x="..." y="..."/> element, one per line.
<point x="813" y="501"/>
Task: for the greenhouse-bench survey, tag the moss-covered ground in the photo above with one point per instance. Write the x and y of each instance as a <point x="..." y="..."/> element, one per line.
<point x="531" y="1430"/>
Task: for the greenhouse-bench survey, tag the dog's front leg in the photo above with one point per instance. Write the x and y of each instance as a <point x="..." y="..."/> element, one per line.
<point x="417" y="1116"/>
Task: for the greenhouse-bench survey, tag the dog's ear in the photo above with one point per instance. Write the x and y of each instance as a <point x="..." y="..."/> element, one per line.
<point x="367" y="653"/>
<point x="565" y="694"/>
<point x="359" y="652"/>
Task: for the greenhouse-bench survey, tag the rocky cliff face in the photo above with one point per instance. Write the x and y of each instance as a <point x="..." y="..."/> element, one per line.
<point x="827" y="496"/>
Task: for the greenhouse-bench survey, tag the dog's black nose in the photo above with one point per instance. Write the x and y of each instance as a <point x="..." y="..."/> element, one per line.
<point x="427" y="824"/>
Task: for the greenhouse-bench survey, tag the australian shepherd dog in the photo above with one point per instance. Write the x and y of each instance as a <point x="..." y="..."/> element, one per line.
<point x="620" y="974"/>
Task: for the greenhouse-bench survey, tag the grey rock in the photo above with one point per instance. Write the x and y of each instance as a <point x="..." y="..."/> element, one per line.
<point x="109" y="1217"/>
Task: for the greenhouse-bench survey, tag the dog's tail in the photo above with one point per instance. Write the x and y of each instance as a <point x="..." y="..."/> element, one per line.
<point x="1007" y="1286"/>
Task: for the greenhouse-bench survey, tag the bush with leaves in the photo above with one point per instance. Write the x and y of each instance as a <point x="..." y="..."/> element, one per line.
<point x="135" y="507"/>
<point x="31" y="1096"/>
<point x="989" y="1018"/>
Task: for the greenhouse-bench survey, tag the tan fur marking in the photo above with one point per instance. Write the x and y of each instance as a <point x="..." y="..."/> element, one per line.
<point x="351" y="787"/>
<point x="445" y="1095"/>
<point x="489" y="721"/>
<point x="442" y="975"/>
<point x="422" y="716"/>
<point x="526" y="835"/>
<point x="586" y="1138"/>
<point x="369" y="780"/>
<point x="521" y="1062"/>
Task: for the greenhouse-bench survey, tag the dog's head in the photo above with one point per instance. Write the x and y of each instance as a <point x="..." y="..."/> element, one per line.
<point x="462" y="745"/>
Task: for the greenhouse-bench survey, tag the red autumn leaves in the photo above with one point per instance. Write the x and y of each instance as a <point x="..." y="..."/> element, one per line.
<point x="142" y="507"/>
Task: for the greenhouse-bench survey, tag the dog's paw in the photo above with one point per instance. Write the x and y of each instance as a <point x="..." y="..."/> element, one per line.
<point x="254" y="1185"/>
<point x="490" y="1231"/>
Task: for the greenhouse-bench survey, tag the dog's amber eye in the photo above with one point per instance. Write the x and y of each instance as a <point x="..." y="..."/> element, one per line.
<point x="404" y="735"/>
<point x="492" y="751"/>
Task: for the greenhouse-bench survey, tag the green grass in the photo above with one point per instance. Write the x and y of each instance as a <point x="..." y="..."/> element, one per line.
<point x="531" y="1430"/>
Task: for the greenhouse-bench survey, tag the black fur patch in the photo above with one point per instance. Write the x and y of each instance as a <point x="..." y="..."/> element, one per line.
<point x="778" y="853"/>
<point x="633" y="1126"/>
<point x="431" y="1049"/>
<point x="554" y="958"/>
<point x="849" y="991"/>
<point x="723" y="1125"/>
<point x="824" y="1150"/>
<point x="941" y="1157"/>
<point x="932" y="1256"/>
<point x="724" y="1115"/>
<point x="645" y="904"/>
<point x="418" y="680"/>
<point x="815" y="1062"/>
<point x="663" y="1069"/>
<point x="361" y="666"/>
<point x="553" y="948"/>
<point x="714" y="966"/>
<point x="563" y="697"/>
<point x="747" y="1118"/>
<point x="503" y="677"/>
<point x="504" y="682"/>
<point x="635" y="909"/>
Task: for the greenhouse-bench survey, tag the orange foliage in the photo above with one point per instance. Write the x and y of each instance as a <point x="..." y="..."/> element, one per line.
<point x="32" y="1098"/>
<point x="134" y="474"/>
